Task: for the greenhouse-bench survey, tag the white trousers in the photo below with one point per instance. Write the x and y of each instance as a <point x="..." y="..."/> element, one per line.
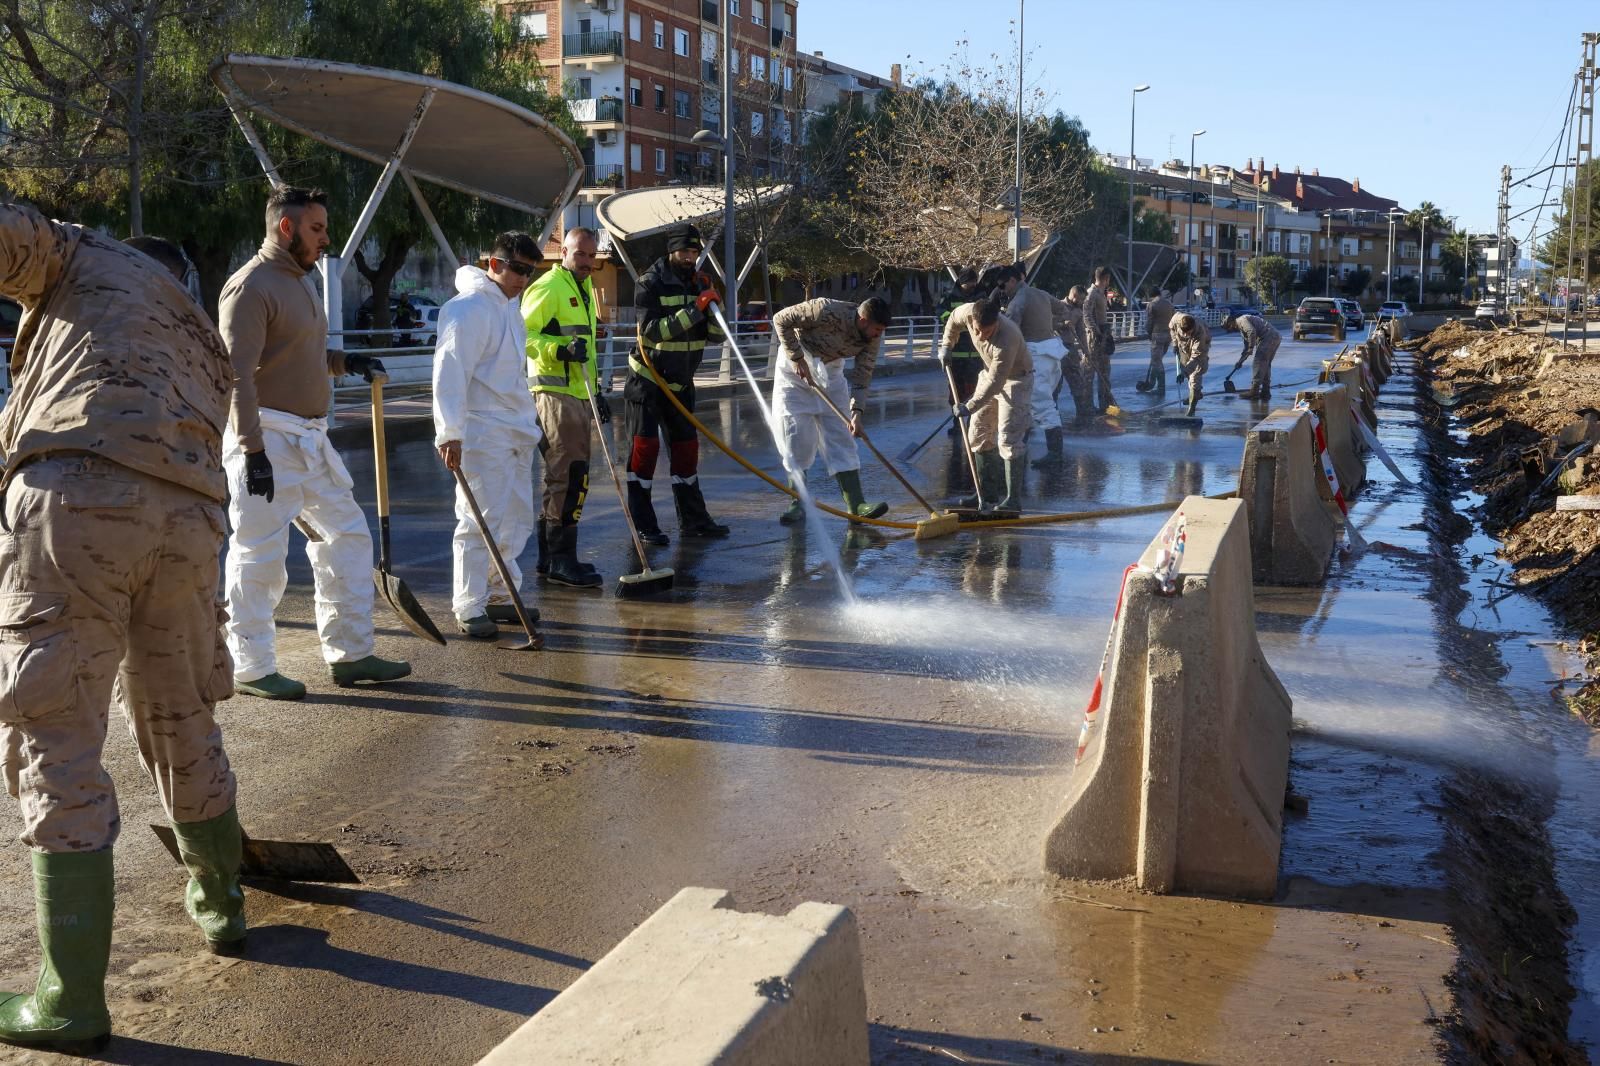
<point x="500" y="474"/>
<point x="1047" y="356"/>
<point x="805" y="421"/>
<point x="310" y="482"/>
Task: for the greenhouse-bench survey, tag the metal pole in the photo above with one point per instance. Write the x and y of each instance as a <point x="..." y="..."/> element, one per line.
<point x="1327" y="259"/>
<point x="1188" y="234"/>
<point x="1422" y="265"/>
<point x="1016" y="252"/>
<point x="1388" y="285"/>
<point x="1133" y="110"/>
<point x="730" y="269"/>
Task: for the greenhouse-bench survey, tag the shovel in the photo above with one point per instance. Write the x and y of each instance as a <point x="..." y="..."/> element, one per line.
<point x="1227" y="382"/>
<point x="647" y="582"/>
<point x="909" y="452"/>
<point x="280" y="860"/>
<point x="392" y="589"/>
<point x="937" y="524"/>
<point x="534" y="641"/>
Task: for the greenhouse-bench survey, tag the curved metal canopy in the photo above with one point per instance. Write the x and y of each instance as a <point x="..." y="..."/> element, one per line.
<point x="462" y="139"/>
<point x="640" y="213"/>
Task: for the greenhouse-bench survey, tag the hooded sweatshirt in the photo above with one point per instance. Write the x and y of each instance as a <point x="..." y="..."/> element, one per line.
<point x="480" y="369"/>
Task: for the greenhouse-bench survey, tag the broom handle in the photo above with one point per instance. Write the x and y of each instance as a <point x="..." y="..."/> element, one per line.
<point x="622" y="496"/>
<point x="380" y="459"/>
<point x="874" y="449"/>
<point x="966" y="445"/>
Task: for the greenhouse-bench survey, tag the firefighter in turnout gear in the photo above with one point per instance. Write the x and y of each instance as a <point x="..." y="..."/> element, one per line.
<point x="675" y="325"/>
<point x="559" y="312"/>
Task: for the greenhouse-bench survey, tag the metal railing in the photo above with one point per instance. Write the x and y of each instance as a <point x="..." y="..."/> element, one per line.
<point x="595" y="174"/>
<point x="593" y="43"/>
<point x="605" y="109"/>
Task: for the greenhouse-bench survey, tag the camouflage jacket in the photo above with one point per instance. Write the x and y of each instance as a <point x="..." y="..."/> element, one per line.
<point x="1159" y="315"/>
<point x="113" y="357"/>
<point x="1190" y="345"/>
<point x="1096" y="310"/>
<point x="827" y="330"/>
<point x="1255" y="330"/>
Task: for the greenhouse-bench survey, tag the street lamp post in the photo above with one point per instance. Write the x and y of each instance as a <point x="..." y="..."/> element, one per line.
<point x="1188" y="234"/>
<point x="730" y="269"/>
<point x="1022" y="55"/>
<point x="1388" y="285"/>
<point x="1133" y="165"/>
<point x="1327" y="257"/>
<point x="1422" y="265"/>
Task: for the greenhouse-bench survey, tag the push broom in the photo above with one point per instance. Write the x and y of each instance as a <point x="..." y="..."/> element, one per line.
<point x="648" y="581"/>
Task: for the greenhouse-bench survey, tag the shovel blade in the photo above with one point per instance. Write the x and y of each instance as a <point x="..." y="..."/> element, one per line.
<point x="280" y="860"/>
<point x="405" y="606"/>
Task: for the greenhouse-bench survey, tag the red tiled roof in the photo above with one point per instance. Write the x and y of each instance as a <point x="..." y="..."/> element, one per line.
<point x="1322" y="192"/>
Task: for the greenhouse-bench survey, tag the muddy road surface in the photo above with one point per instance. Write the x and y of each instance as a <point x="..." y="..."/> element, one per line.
<point x="513" y="815"/>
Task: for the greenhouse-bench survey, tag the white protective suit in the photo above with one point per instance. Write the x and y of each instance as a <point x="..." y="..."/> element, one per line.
<point x="805" y="421"/>
<point x="481" y="398"/>
<point x="310" y="482"/>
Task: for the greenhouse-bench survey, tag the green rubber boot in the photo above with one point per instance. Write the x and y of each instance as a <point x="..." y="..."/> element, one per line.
<point x="371" y="669"/>
<point x="67" y="1011"/>
<point x="272" y="687"/>
<point x="854" y="502"/>
<point x="991" y="477"/>
<point x="1011" y="470"/>
<point x="796" y="512"/>
<point x="213" y="850"/>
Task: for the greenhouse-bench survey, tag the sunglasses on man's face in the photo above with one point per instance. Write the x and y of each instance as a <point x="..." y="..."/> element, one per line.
<point x="519" y="269"/>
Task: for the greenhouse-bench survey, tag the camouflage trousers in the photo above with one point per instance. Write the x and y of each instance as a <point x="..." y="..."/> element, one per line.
<point x="1004" y="421"/>
<point x="108" y="589"/>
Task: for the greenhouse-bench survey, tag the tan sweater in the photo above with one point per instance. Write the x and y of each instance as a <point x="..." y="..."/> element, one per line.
<point x="1005" y="354"/>
<point x="1034" y="311"/>
<point x="277" y="337"/>
<point x="112" y="357"/>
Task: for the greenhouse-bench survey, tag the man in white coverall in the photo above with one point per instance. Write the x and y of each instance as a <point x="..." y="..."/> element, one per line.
<point x="486" y="426"/>
<point x="817" y="337"/>
<point x="281" y="465"/>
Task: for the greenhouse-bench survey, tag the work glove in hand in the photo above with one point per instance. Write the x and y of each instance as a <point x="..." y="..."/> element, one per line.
<point x="364" y="365"/>
<point x="577" y="353"/>
<point x="706" y="298"/>
<point x="258" y="475"/>
<point x="960" y="410"/>
<point x="603" y="405"/>
<point x="944" y="356"/>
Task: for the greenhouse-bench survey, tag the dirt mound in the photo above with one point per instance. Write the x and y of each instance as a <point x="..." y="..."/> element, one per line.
<point x="1520" y="398"/>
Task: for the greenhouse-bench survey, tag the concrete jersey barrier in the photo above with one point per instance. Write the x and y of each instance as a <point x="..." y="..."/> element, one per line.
<point x="700" y="983"/>
<point x="1292" y="533"/>
<point x="1348" y="372"/>
<point x="1181" y="783"/>
<point x="1332" y="405"/>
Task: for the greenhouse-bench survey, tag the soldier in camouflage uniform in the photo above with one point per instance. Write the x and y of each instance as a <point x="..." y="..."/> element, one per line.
<point x="1260" y="344"/>
<point x="112" y="505"/>
<point x="817" y="337"/>
<point x="1097" y="323"/>
<point x="1192" y="342"/>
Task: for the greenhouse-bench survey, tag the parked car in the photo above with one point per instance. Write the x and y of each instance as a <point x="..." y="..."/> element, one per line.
<point x="406" y="314"/>
<point x="1487" y="309"/>
<point x="1242" y="309"/>
<point x="754" y="317"/>
<point x="1354" y="318"/>
<point x="1393" y="309"/>
<point x="1319" y="314"/>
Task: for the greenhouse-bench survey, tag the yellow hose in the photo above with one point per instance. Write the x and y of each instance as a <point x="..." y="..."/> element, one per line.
<point x="985" y="523"/>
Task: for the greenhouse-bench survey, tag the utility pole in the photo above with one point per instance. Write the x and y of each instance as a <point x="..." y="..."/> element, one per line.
<point x="1133" y="165"/>
<point x="1583" y="177"/>
<point x="1327" y="258"/>
<point x="1502" y="234"/>
<point x="730" y="264"/>
<point x="1022" y="57"/>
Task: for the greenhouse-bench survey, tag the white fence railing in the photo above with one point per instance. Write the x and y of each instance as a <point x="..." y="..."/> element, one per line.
<point x="907" y="337"/>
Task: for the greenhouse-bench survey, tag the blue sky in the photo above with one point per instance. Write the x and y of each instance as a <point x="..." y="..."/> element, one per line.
<point x="1421" y="101"/>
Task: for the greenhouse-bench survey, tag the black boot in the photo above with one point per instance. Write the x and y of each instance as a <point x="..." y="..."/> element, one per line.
<point x="1052" y="449"/>
<point x="693" y="518"/>
<point x="644" y="512"/>
<point x="564" y="566"/>
<point x="542" y="567"/>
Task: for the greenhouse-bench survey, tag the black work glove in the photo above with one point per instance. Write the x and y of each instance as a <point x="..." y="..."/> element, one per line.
<point x="365" y="365"/>
<point x="577" y="353"/>
<point x="258" y="475"/>
<point x="603" y="405"/>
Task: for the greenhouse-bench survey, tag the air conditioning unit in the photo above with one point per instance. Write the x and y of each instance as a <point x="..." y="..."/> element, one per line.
<point x="601" y="5"/>
<point x="606" y="137"/>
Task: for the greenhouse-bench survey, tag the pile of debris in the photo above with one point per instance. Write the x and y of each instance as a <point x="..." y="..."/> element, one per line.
<point x="1528" y="406"/>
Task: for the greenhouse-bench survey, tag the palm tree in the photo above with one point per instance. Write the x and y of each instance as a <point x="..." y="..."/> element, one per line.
<point x="1426" y="212"/>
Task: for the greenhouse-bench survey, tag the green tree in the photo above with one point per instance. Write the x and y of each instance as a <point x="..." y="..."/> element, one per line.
<point x="1270" y="276"/>
<point x="1553" y="252"/>
<point x="1355" y="283"/>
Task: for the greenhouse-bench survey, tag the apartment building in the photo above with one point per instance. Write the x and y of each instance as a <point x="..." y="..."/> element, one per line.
<point x="642" y="77"/>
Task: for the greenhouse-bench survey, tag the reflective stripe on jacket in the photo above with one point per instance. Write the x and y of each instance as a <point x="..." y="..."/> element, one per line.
<point x="557" y="311"/>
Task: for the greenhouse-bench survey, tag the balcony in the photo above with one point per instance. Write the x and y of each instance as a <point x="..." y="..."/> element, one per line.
<point x="602" y="175"/>
<point x="605" y="111"/>
<point x="710" y="11"/>
<point x="596" y="46"/>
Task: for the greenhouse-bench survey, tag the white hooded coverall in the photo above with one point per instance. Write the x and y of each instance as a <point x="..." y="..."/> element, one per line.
<point x="481" y="398"/>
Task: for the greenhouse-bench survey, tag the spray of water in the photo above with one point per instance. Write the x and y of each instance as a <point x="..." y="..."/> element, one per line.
<point x="815" y="527"/>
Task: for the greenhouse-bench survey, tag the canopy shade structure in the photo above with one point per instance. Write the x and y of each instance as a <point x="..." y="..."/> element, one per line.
<point x="415" y="127"/>
<point x="466" y="140"/>
<point x="973" y="240"/>
<point x="640" y="213"/>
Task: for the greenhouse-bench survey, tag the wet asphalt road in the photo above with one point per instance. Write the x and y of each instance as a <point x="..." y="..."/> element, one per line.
<point x="514" y="815"/>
